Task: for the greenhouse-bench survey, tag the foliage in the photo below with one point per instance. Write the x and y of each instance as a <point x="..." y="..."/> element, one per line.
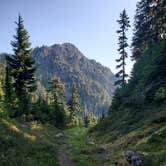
<point x="89" y="120"/>
<point x="27" y="144"/>
<point x="73" y="103"/>
<point x="160" y="94"/>
<point x="21" y="66"/>
<point x="124" y="25"/>
<point x="149" y="25"/>
<point x="147" y="81"/>
<point x="136" y="119"/>
<point x="56" y="92"/>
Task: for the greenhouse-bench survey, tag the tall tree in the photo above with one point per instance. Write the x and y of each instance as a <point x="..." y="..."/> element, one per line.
<point x="158" y="19"/>
<point x="124" y="25"/>
<point x="149" y="25"/>
<point x="141" y="29"/>
<point x="56" y="92"/>
<point x="22" y="67"/>
<point x="74" y="104"/>
<point x="2" y="77"/>
<point x="8" y="88"/>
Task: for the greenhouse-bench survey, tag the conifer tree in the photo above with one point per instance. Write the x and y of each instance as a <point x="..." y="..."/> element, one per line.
<point x="74" y="104"/>
<point x="141" y="28"/>
<point x="22" y="67"/>
<point x="2" y="77"/>
<point x="56" y="90"/>
<point x="124" y="25"/>
<point x="149" y="25"/>
<point x="8" y="87"/>
<point x="158" y="21"/>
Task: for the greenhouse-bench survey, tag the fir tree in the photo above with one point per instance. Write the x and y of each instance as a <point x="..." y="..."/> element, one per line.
<point x="74" y="104"/>
<point x="86" y="120"/>
<point x="8" y="88"/>
<point x="124" y="25"/>
<point x="141" y="28"/>
<point x="149" y="25"/>
<point x="22" y="67"/>
<point x="158" y="19"/>
<point x="56" y="90"/>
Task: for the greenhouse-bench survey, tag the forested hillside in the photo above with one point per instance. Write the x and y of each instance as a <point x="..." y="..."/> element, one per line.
<point x="137" y="115"/>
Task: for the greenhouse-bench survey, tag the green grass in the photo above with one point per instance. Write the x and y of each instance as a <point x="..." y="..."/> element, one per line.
<point x="143" y="131"/>
<point x="80" y="152"/>
<point x="34" y="144"/>
<point x="26" y="144"/>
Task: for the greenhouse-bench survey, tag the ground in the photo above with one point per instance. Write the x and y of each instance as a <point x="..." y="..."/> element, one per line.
<point x="34" y="144"/>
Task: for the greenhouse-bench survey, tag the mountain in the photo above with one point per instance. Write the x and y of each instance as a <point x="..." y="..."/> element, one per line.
<point x="95" y="83"/>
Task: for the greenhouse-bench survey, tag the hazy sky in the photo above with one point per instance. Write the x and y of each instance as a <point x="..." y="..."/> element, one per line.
<point x="89" y="24"/>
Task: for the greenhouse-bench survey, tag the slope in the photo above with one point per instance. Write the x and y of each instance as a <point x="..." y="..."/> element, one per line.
<point x="95" y="83"/>
<point x="137" y="116"/>
<point x="27" y="143"/>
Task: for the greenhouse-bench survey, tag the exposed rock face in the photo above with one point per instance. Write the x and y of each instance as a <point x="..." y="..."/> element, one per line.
<point x="95" y="83"/>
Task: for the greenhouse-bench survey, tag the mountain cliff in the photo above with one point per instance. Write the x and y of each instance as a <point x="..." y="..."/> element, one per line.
<point x="95" y="83"/>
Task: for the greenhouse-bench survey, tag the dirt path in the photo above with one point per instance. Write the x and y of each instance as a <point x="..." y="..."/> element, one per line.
<point x="64" y="160"/>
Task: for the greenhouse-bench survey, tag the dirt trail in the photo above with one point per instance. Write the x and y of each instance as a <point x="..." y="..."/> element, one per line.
<point x="64" y="160"/>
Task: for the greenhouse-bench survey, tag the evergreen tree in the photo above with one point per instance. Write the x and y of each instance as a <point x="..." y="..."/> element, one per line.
<point x="158" y="21"/>
<point x="74" y="104"/>
<point x="2" y="67"/>
<point x="56" y="92"/>
<point x="22" y="67"/>
<point x="86" y="120"/>
<point x="89" y="119"/>
<point x="2" y="75"/>
<point x="149" y="25"/>
<point x="124" y="25"/>
<point x="141" y="28"/>
<point x="8" y="88"/>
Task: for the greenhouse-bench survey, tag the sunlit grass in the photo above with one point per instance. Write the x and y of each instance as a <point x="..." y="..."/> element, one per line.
<point x="36" y="126"/>
<point x="22" y="145"/>
<point x="29" y="136"/>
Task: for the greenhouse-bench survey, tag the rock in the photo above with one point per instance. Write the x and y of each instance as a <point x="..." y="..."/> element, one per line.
<point x="128" y="155"/>
<point x="59" y="135"/>
<point x="91" y="143"/>
<point x="133" y="158"/>
<point x="136" y="160"/>
<point x="150" y="132"/>
<point x="101" y="150"/>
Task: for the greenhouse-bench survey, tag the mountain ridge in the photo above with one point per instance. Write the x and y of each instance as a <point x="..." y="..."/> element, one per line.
<point x="95" y="82"/>
<point x="67" y="62"/>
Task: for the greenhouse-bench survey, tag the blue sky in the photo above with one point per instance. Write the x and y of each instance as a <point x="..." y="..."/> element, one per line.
<point x="88" y="24"/>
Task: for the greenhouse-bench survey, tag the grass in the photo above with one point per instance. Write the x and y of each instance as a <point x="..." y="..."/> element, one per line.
<point x="34" y="144"/>
<point x="27" y="146"/>
<point x="77" y="147"/>
<point x="141" y="131"/>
